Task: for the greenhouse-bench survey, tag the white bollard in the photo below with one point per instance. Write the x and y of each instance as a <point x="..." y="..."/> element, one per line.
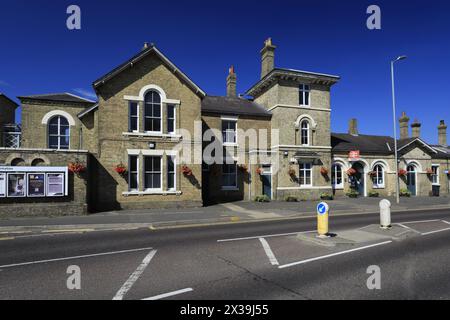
<point x="385" y="214"/>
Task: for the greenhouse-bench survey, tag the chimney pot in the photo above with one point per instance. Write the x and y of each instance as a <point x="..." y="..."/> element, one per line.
<point x="442" y="133"/>
<point x="231" y="83"/>
<point x="267" y="57"/>
<point x="415" y="126"/>
<point x="404" y="126"/>
<point x="353" y="127"/>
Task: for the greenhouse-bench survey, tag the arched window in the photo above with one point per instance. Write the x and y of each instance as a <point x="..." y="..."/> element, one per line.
<point x="58" y="133"/>
<point x="378" y="176"/>
<point x="304" y="133"/>
<point x="152" y="112"/>
<point x="336" y="176"/>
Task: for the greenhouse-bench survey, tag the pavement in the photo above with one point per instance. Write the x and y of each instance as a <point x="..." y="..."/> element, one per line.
<point x="228" y="213"/>
<point x="266" y="260"/>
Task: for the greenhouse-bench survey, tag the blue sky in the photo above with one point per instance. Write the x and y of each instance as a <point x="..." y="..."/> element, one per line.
<point x="40" y="55"/>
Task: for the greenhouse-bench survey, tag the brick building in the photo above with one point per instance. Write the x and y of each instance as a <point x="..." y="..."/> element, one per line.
<point x="146" y="143"/>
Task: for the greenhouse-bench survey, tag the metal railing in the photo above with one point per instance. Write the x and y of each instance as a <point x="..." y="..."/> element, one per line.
<point x="12" y="136"/>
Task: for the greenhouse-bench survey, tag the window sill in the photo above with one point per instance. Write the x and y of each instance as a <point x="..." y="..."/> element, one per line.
<point x="230" y="189"/>
<point x="379" y="187"/>
<point x="147" y="193"/>
<point x="338" y="187"/>
<point x="230" y="144"/>
<point x="152" y="135"/>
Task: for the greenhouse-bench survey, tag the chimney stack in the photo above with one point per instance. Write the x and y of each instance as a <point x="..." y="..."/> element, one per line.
<point x="145" y="47"/>
<point x="404" y="126"/>
<point x="267" y="57"/>
<point x="231" y="83"/>
<point x="415" y="126"/>
<point x="442" y="130"/>
<point x="353" y="127"/>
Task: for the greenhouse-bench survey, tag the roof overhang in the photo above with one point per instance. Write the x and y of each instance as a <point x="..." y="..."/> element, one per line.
<point x="292" y="75"/>
<point x="12" y="101"/>
<point x="87" y="111"/>
<point x="130" y="63"/>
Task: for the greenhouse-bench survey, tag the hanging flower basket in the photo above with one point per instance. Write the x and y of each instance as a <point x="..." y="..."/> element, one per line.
<point x="402" y="173"/>
<point x="351" y="172"/>
<point x="259" y="171"/>
<point x="76" y="167"/>
<point x="429" y="171"/>
<point x="121" y="169"/>
<point x="372" y="174"/>
<point x="243" y="167"/>
<point x="324" y="171"/>
<point x="186" y="170"/>
<point x="291" y="172"/>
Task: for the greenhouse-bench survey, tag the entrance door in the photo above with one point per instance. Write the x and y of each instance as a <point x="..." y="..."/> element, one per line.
<point x="411" y="179"/>
<point x="359" y="177"/>
<point x="267" y="181"/>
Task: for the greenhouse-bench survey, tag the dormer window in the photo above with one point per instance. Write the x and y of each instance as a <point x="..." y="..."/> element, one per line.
<point x="304" y="91"/>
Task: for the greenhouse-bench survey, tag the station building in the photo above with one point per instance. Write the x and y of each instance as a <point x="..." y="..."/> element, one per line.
<point x="142" y="144"/>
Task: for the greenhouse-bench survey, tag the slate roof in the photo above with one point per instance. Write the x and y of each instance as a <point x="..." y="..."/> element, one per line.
<point x="233" y="106"/>
<point x="443" y="152"/>
<point x="63" y="97"/>
<point x="4" y="96"/>
<point x="343" y="142"/>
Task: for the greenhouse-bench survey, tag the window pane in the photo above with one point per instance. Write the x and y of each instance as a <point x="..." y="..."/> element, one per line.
<point x="133" y="183"/>
<point x="170" y="111"/>
<point x="133" y="163"/>
<point x="64" y="142"/>
<point x="53" y="129"/>
<point x="133" y="124"/>
<point x="53" y="142"/>
<point x="156" y="180"/>
<point x="306" y="98"/>
<point x="170" y="164"/>
<point x="133" y="109"/>
<point x="64" y="130"/>
<point x="63" y="121"/>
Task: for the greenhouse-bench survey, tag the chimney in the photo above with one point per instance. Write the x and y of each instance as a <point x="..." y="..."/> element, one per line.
<point x="267" y="57"/>
<point x="231" y="83"/>
<point x="404" y="126"/>
<point x="415" y="126"/>
<point x="442" y="130"/>
<point x="353" y="127"/>
<point x="146" y="46"/>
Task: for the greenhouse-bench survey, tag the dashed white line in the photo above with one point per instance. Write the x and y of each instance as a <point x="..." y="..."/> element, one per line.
<point x="73" y="258"/>
<point x="273" y="260"/>
<point x="134" y="276"/>
<point x="436" y="231"/>
<point x="266" y="236"/>
<point x="170" y="294"/>
<point x="333" y="255"/>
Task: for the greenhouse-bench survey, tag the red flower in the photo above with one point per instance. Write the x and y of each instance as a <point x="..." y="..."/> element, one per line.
<point x="76" y="167"/>
<point x="120" y="169"/>
<point x="429" y="171"/>
<point x="259" y="171"/>
<point x="323" y="171"/>
<point x="402" y="172"/>
<point x="351" y="172"/>
<point x="186" y="170"/>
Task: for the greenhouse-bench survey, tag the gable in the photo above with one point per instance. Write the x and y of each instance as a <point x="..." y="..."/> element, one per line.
<point x="138" y="62"/>
<point x="416" y="151"/>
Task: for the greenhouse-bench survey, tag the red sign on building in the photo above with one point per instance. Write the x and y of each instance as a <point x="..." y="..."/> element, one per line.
<point x="354" y="155"/>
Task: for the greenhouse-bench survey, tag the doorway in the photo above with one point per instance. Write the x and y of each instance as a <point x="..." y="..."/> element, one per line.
<point x="360" y="184"/>
<point x="266" y="178"/>
<point x="411" y="179"/>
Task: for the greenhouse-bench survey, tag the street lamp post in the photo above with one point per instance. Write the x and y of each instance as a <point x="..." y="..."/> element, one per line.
<point x="397" y="182"/>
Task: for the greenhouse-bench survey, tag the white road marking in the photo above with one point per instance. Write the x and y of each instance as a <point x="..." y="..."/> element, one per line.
<point x="73" y="258"/>
<point x="421" y="221"/>
<point x="333" y="255"/>
<point x="409" y="228"/>
<point x="445" y="222"/>
<point x="436" y="231"/>
<point x="170" y="294"/>
<point x="134" y="276"/>
<point x="265" y="236"/>
<point x="273" y="260"/>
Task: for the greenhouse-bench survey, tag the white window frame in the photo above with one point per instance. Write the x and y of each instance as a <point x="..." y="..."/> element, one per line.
<point x="304" y="90"/>
<point x="59" y="131"/>
<point x="375" y="183"/>
<point x="133" y="172"/>
<point x="308" y="132"/>
<point x="230" y="119"/>
<point x="161" y="121"/>
<point x="174" y="119"/>
<point x="229" y="187"/>
<point x="137" y="116"/>
<point x="174" y="159"/>
<point x="335" y="176"/>
<point x="304" y="171"/>
<point x="160" y="172"/>
<point x="435" y="175"/>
